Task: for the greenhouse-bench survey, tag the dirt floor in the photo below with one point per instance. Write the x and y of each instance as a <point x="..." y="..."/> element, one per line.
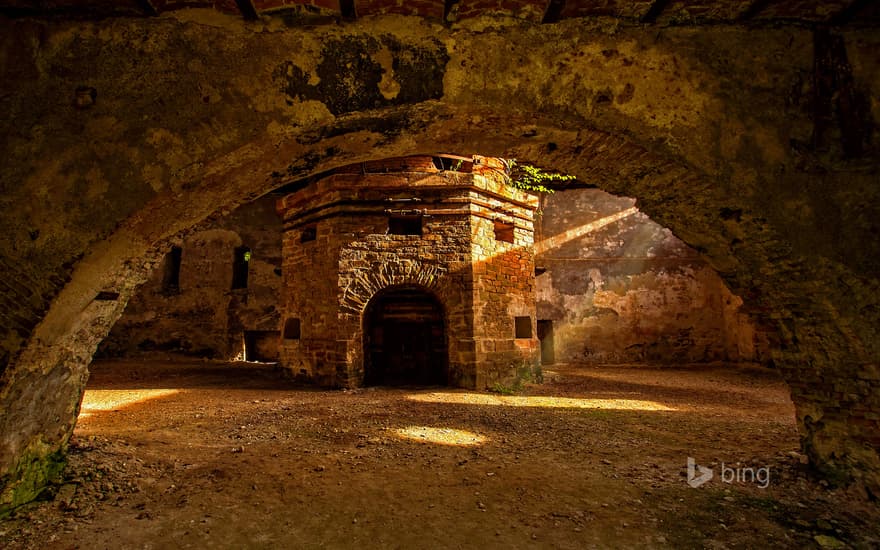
<point x="206" y="455"/>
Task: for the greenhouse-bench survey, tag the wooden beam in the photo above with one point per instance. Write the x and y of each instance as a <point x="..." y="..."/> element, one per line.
<point x="654" y="11"/>
<point x="554" y="11"/>
<point x="247" y="9"/>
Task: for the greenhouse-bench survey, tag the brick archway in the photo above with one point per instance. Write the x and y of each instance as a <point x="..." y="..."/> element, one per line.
<point x="365" y="284"/>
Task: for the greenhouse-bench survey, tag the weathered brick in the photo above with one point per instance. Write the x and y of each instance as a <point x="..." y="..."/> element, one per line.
<point x="354" y="257"/>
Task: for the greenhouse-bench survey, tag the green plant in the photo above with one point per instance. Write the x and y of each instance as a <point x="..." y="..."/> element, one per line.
<point x="526" y="372"/>
<point x="530" y="372"/>
<point x="529" y="177"/>
<point x="504" y="389"/>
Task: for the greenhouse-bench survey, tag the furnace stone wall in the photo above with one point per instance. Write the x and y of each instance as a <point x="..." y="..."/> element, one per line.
<point x="350" y="254"/>
<point x="504" y="284"/>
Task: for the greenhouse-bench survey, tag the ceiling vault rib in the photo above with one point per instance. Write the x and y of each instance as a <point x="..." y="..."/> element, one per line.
<point x="247" y="8"/>
<point x="553" y="13"/>
<point x="654" y="11"/>
<point x="839" y="13"/>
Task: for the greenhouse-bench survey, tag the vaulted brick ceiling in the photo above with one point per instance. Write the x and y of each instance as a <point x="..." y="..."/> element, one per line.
<point x="674" y="12"/>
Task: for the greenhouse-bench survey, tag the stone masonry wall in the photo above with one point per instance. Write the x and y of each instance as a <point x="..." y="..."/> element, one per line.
<point x="504" y="280"/>
<point x="330" y="280"/>
<point x="203" y="316"/>
<point x="435" y="261"/>
<point x="620" y="288"/>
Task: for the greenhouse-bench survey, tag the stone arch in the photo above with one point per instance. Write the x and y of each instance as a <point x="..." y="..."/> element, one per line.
<point x="680" y="155"/>
<point x="359" y="287"/>
<point x="65" y="340"/>
<point x="365" y="284"/>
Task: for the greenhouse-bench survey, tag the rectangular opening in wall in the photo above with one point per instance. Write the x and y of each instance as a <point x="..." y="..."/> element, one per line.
<point x="545" y="335"/>
<point x="261" y="345"/>
<point x="292" y="329"/>
<point x="309" y="233"/>
<point x="241" y="259"/>
<point x="457" y="164"/>
<point x="171" y="271"/>
<point x="405" y="225"/>
<point x="522" y="327"/>
<point x="503" y="231"/>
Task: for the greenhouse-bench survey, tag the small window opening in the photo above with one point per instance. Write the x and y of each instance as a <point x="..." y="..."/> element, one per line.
<point x="441" y="163"/>
<point x="545" y="335"/>
<point x="292" y="329"/>
<point x="523" y="327"/>
<point x="261" y="345"/>
<point x="405" y="225"/>
<point x="240" y="267"/>
<point x="309" y="233"/>
<point x="171" y="271"/>
<point x="503" y="231"/>
<point x="446" y="163"/>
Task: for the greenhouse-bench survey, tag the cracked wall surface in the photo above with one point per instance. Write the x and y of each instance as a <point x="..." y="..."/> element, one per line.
<point x="119" y="135"/>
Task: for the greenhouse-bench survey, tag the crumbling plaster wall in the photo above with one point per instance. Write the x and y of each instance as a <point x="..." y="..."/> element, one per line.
<point x="714" y="129"/>
<point x="204" y="316"/>
<point x="620" y="288"/>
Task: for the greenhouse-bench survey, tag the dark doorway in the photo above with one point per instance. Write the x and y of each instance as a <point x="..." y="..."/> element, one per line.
<point x="545" y="335"/>
<point x="171" y="271"/>
<point x="404" y="338"/>
<point x="240" y="260"/>
<point x="261" y="345"/>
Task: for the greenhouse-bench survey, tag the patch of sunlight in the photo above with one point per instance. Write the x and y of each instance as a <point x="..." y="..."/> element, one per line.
<point x="441" y="436"/>
<point x="539" y="401"/>
<point x="575" y="233"/>
<point x="109" y="400"/>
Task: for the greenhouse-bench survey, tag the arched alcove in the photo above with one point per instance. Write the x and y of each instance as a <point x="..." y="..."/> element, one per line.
<point x="404" y="338"/>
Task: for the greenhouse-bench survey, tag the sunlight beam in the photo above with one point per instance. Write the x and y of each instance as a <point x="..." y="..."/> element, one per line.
<point x="441" y="436"/>
<point x="558" y="240"/>
<point x="538" y="401"/>
<point x="110" y="400"/>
